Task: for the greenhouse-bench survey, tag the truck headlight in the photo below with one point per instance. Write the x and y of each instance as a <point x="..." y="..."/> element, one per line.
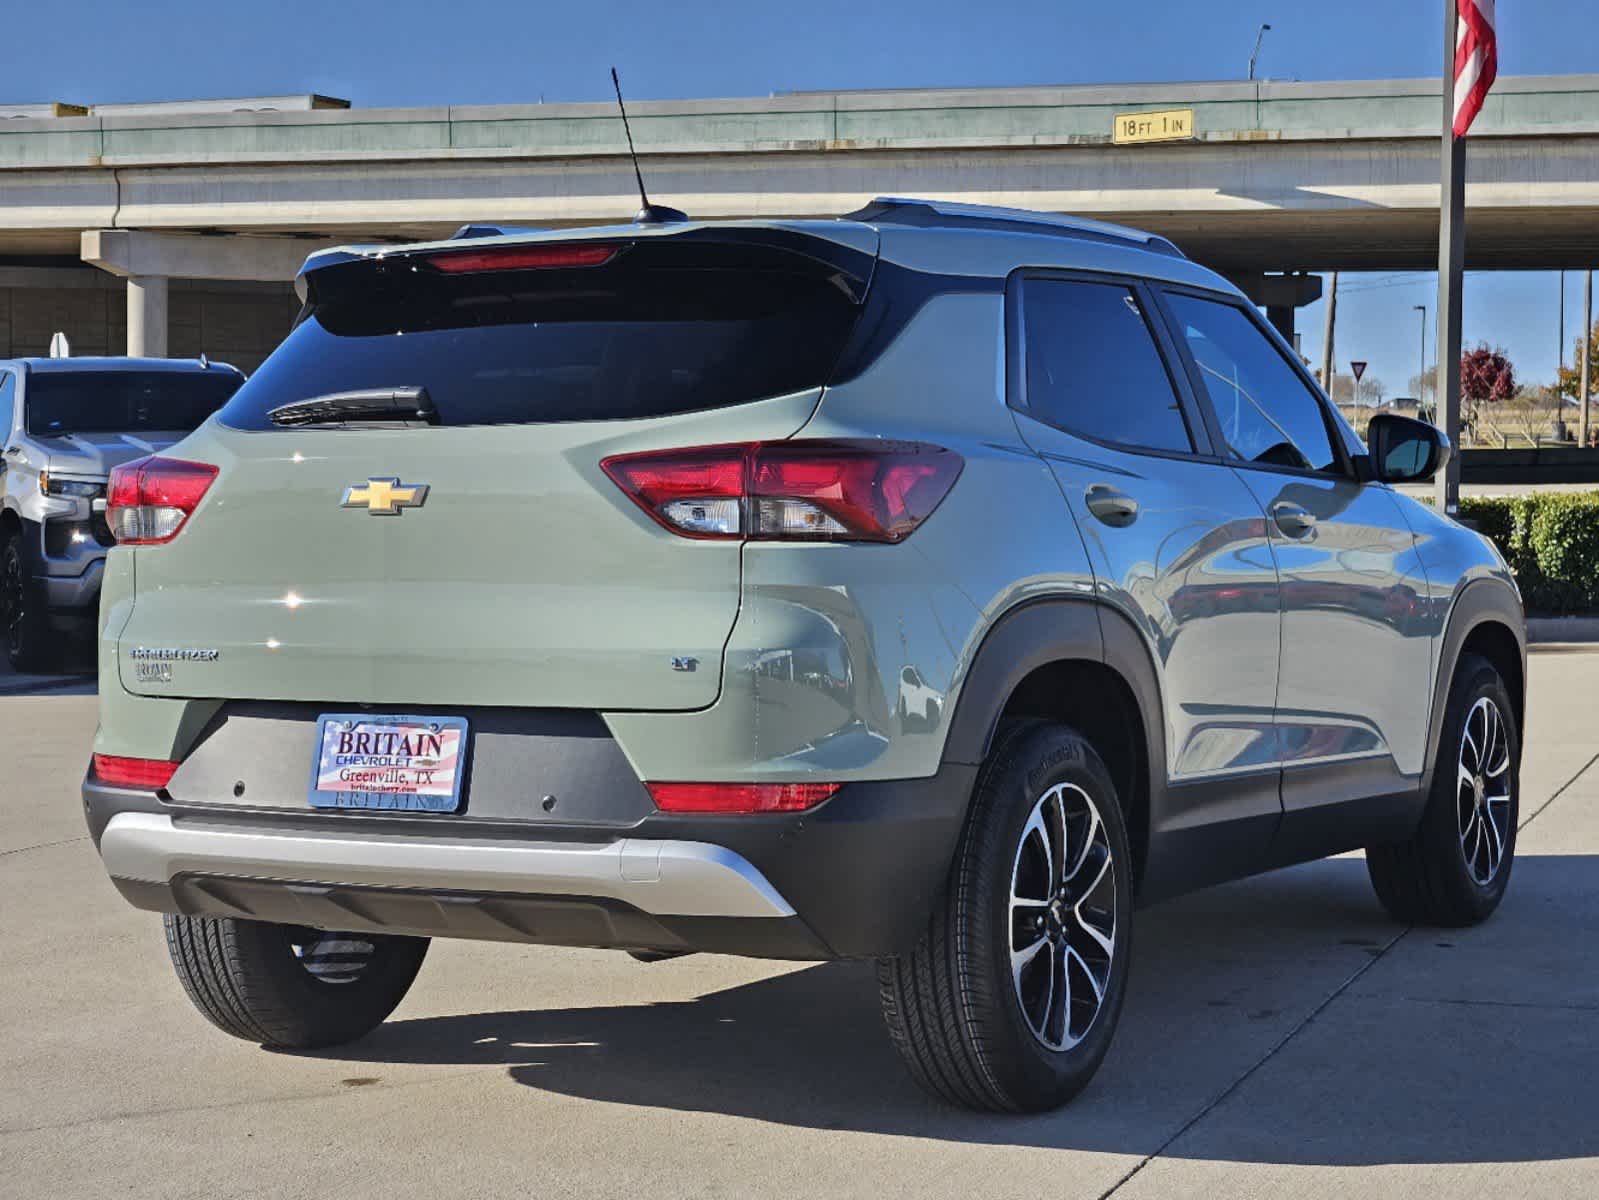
<point x="83" y="488"/>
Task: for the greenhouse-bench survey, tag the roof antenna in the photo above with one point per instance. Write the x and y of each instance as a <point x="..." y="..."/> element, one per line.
<point x="650" y="214"/>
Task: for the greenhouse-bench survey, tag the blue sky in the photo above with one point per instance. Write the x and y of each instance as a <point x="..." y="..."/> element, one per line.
<point x="405" y="52"/>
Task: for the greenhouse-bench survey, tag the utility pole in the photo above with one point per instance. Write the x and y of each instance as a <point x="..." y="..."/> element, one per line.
<point x="1587" y="356"/>
<point x="1451" y="259"/>
<point x="1327" y="359"/>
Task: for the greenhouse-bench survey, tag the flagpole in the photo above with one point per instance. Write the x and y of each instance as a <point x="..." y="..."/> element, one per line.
<point x="1451" y="261"/>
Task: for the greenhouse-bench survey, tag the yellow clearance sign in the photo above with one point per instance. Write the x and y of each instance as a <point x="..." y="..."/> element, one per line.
<point x="1168" y="125"/>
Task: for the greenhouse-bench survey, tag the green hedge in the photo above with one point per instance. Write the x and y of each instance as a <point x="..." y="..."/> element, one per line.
<point x="1550" y="540"/>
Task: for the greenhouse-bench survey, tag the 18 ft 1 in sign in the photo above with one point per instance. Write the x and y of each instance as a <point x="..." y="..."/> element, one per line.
<point x="1169" y="125"/>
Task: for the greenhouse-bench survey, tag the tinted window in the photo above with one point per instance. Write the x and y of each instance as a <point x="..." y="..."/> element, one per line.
<point x="1267" y="413"/>
<point x="1093" y="366"/>
<point x="125" y="401"/>
<point x="8" y="399"/>
<point x="659" y="329"/>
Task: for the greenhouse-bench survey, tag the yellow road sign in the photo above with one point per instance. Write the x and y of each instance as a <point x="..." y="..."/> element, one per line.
<point x="1167" y="125"/>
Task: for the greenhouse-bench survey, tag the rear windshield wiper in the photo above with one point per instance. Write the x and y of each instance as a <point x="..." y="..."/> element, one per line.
<point x="368" y="404"/>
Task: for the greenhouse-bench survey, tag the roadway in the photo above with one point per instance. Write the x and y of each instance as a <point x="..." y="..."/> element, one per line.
<point x="1282" y="1038"/>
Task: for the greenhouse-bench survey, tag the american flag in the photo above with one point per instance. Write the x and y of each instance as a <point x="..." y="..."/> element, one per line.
<point x="1476" y="60"/>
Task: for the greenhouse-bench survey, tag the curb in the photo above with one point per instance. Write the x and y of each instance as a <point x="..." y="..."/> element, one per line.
<point x="1541" y="630"/>
<point x="50" y="683"/>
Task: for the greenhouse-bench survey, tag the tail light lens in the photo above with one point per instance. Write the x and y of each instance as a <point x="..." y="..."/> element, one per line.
<point x="149" y="499"/>
<point x="150" y="773"/>
<point x="739" y="797"/>
<point x="808" y="491"/>
<point x="522" y="258"/>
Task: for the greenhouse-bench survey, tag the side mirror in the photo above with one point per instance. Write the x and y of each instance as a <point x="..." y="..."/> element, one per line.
<point x="1403" y="450"/>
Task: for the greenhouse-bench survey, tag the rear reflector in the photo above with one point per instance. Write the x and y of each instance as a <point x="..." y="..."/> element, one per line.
<point x="829" y="491"/>
<point x="152" y="773"/>
<point x="149" y="499"/>
<point x="521" y="258"/>
<point x="739" y="797"/>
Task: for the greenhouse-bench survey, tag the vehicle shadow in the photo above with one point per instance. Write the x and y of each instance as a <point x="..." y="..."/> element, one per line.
<point x="1405" y="1066"/>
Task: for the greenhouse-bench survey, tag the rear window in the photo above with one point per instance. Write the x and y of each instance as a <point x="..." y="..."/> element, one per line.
<point x="664" y="326"/>
<point x="65" y="402"/>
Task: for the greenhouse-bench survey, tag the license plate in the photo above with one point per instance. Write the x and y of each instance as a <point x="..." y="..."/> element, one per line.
<point x="404" y="763"/>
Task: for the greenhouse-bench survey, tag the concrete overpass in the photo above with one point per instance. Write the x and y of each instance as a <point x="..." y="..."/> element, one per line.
<point x="1279" y="177"/>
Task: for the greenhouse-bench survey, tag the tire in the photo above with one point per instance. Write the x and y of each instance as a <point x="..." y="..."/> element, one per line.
<point x="288" y="987"/>
<point x="1455" y="869"/>
<point x="969" y="1031"/>
<point x="24" y="623"/>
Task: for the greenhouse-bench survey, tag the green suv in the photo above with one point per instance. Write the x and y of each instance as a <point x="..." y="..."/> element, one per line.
<point x="930" y="585"/>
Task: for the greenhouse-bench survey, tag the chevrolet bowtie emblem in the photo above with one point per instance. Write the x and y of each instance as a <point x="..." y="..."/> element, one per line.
<point x="385" y="497"/>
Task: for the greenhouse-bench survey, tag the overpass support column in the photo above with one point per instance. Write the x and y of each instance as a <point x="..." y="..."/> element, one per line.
<point x="1280" y="295"/>
<point x="148" y="261"/>
<point x="147" y="316"/>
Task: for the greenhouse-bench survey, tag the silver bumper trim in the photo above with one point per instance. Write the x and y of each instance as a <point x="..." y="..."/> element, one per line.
<point x="664" y="878"/>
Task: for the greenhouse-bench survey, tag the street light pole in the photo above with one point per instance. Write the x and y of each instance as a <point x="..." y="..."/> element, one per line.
<point x="1255" y="54"/>
<point x="1587" y="356"/>
<point x="1562" y="320"/>
<point x="1422" y="369"/>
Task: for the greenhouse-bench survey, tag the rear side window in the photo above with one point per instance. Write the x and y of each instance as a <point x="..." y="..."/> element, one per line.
<point x="8" y="400"/>
<point x="1267" y="413"/>
<point x="1093" y="366"/>
<point x="659" y="328"/>
<point x="66" y="402"/>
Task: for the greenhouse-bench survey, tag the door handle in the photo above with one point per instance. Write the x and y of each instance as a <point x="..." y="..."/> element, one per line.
<point x="1116" y="509"/>
<point x="1293" y="520"/>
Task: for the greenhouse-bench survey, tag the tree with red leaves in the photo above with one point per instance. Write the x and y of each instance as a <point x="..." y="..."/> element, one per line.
<point x="1486" y="377"/>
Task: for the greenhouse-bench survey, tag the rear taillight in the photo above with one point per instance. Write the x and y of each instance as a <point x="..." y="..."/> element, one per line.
<point x="830" y="491"/>
<point x="149" y="499"/>
<point x="150" y="773"/>
<point x="739" y="797"/>
<point x="521" y="258"/>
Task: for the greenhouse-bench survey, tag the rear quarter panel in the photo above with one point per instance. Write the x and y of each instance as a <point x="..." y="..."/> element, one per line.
<point x="847" y="660"/>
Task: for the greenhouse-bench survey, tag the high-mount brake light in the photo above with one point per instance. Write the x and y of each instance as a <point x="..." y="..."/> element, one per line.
<point x="739" y="797"/>
<point x="150" y="773"/>
<point x="149" y="499"/>
<point x="800" y="491"/>
<point x="521" y="258"/>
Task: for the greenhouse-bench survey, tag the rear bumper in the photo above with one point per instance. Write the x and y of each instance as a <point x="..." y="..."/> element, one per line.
<point x="856" y="877"/>
<point x="683" y="879"/>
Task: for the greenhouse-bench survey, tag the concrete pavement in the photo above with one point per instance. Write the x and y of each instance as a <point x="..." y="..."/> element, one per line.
<point x="1283" y="1038"/>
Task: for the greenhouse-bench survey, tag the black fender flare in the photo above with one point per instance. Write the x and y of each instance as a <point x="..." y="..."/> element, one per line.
<point x="1044" y="631"/>
<point x="1480" y="602"/>
<point x="1066" y="629"/>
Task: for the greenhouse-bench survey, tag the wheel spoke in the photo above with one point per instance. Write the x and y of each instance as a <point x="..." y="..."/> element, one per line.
<point x="1494" y="844"/>
<point x="1099" y="878"/>
<point x="1063" y="993"/>
<point x="1104" y="941"/>
<point x="1021" y="959"/>
<point x="1049" y="997"/>
<point x="1090" y="838"/>
<point x="1035" y="829"/>
<point x="1088" y="972"/>
<point x="1468" y="827"/>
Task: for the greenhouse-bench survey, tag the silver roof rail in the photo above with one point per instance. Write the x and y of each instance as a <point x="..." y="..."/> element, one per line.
<point x="945" y="214"/>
